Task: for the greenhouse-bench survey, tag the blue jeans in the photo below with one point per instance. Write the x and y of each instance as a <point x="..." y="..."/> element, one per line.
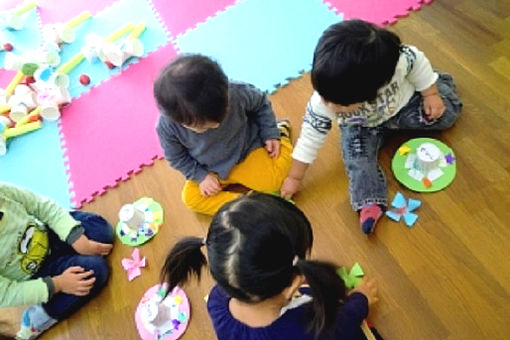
<point x="63" y="256"/>
<point x="360" y="145"/>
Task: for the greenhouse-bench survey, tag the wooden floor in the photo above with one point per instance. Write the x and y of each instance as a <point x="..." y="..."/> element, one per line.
<point x="447" y="278"/>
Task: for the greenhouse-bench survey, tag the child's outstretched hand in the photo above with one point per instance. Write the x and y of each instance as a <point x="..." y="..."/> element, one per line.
<point x="367" y="287"/>
<point x="433" y="106"/>
<point x="85" y="246"/>
<point x="74" y="280"/>
<point x="289" y="187"/>
<point x="210" y="185"/>
<point x="273" y="147"/>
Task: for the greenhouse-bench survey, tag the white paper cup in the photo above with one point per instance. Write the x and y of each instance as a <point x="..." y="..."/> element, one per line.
<point x="50" y="111"/>
<point x="18" y="112"/>
<point x="428" y="157"/>
<point x="132" y="217"/>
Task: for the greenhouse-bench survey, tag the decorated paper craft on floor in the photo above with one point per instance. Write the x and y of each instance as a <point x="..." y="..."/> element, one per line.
<point x="162" y="319"/>
<point x="133" y="265"/>
<point x="353" y="277"/>
<point x="403" y="209"/>
<point x="424" y="165"/>
<point x="139" y="222"/>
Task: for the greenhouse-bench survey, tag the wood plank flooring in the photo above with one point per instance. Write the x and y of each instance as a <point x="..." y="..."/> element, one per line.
<point x="448" y="278"/>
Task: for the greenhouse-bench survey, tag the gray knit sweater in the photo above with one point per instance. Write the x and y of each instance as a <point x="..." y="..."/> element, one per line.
<point x="249" y="122"/>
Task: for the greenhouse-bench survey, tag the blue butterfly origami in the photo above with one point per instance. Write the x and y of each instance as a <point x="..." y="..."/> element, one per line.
<point x="403" y="209"/>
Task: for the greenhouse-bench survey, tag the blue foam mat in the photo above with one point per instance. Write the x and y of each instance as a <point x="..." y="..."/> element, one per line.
<point x="35" y="161"/>
<point x="264" y="42"/>
<point x="25" y="39"/>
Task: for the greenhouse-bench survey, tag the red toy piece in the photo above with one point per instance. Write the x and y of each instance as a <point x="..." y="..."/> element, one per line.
<point x="426" y="182"/>
<point x="8" y="47"/>
<point x="29" y="80"/>
<point x="84" y="79"/>
<point x="109" y="64"/>
<point x="34" y="118"/>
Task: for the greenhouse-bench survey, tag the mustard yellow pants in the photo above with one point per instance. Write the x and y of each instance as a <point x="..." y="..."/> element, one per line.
<point x="257" y="172"/>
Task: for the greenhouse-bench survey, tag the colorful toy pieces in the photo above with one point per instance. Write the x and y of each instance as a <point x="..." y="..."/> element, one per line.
<point x="41" y="82"/>
<point x="403" y="209"/>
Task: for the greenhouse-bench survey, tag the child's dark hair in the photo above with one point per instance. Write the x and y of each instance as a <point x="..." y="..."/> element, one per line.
<point x="256" y="245"/>
<point x="192" y="90"/>
<point x="352" y="60"/>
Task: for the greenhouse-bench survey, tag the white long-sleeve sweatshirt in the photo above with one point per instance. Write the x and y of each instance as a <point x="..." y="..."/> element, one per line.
<point x="412" y="73"/>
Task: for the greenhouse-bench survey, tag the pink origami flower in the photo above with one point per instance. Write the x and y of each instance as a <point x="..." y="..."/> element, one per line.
<point x="133" y="265"/>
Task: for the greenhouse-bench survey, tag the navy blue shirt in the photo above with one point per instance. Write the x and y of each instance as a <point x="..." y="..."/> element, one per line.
<point x="249" y="122"/>
<point x="291" y="325"/>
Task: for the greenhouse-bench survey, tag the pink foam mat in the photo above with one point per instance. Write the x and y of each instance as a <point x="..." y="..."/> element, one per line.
<point x="377" y="11"/>
<point x="52" y="11"/>
<point x="182" y="15"/>
<point x="109" y="133"/>
<point x="5" y="77"/>
<point x="9" y="4"/>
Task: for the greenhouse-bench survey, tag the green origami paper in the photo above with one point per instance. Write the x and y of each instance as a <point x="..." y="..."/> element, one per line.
<point x="353" y="277"/>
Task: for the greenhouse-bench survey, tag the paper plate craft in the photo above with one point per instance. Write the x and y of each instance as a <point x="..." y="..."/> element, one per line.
<point x="424" y="165"/>
<point x="139" y="221"/>
<point x="403" y="209"/>
<point x="162" y="319"/>
<point x="353" y="277"/>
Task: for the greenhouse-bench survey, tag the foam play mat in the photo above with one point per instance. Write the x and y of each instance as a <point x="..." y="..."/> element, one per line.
<point x="424" y="165"/>
<point x="94" y="63"/>
<point x="162" y="318"/>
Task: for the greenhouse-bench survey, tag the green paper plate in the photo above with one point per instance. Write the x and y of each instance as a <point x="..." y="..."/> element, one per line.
<point x="154" y="219"/>
<point x="401" y="173"/>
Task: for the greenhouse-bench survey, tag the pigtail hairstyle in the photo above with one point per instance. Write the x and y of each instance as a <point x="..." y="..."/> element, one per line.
<point x="252" y="246"/>
<point x="184" y="260"/>
<point x="328" y="291"/>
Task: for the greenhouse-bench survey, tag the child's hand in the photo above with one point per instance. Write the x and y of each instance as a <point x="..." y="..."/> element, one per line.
<point x="85" y="246"/>
<point x="210" y="185"/>
<point x="74" y="280"/>
<point x="433" y="106"/>
<point x="289" y="187"/>
<point x="273" y="147"/>
<point x="367" y="287"/>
